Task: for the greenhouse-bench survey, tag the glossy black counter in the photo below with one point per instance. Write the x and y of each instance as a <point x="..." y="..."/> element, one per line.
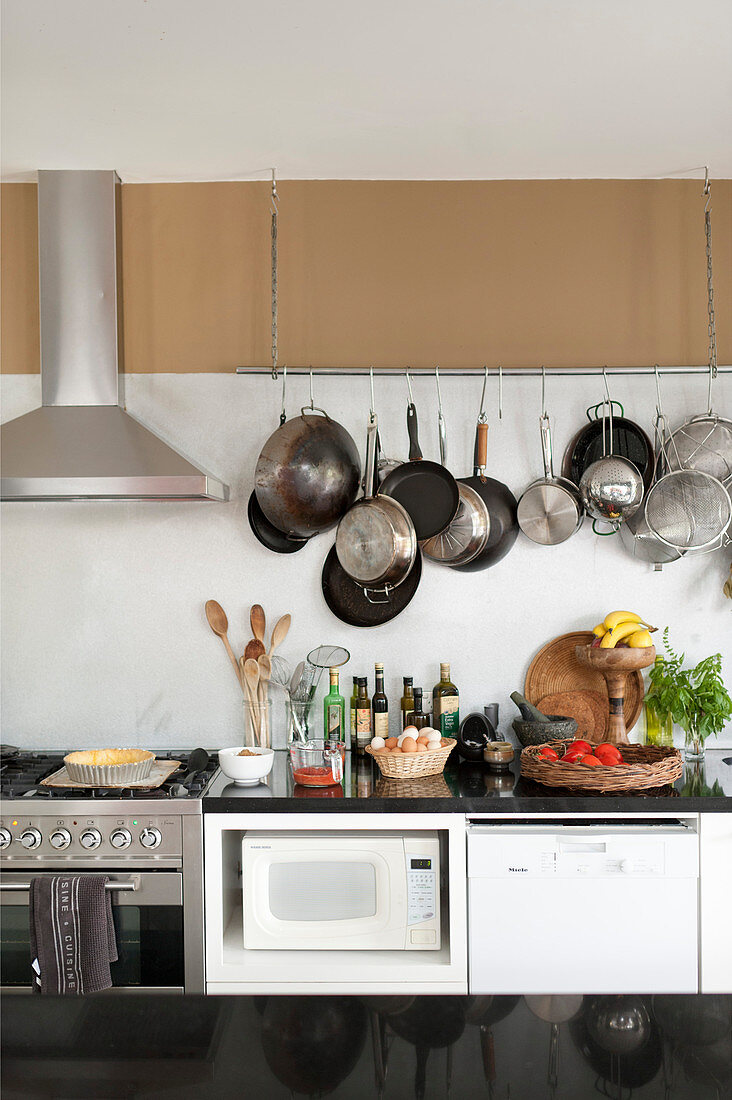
<point x="467" y="788"/>
<point x="391" y="1048"/>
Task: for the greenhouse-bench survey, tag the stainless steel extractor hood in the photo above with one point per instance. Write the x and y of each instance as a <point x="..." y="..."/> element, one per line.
<point x="81" y="445"/>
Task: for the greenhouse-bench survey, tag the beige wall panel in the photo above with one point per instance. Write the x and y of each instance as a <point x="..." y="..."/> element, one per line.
<point x="19" y="323"/>
<point x="560" y="272"/>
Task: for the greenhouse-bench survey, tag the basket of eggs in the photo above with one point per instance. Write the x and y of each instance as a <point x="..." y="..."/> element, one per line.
<point x="413" y="754"/>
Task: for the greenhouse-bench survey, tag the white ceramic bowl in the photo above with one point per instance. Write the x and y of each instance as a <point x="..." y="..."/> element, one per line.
<point x="246" y="771"/>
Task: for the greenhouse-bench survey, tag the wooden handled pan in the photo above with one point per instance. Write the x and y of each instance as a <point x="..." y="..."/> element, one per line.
<point x="501" y="505"/>
<point x="426" y="489"/>
<point x="375" y="542"/>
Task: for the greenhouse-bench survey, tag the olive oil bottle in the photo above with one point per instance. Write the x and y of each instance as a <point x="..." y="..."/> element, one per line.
<point x="380" y="706"/>
<point x="334" y="711"/>
<point x="407" y="702"/>
<point x="446" y="704"/>
<point x="352" y="708"/>
<point x="363" y="717"/>
<point x="419" y="718"/>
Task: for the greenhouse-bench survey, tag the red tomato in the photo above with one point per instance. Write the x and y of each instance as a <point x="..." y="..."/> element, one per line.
<point x="607" y="746"/>
<point x="548" y="753"/>
<point x="591" y="760"/>
<point x="580" y="745"/>
<point x="572" y="757"/>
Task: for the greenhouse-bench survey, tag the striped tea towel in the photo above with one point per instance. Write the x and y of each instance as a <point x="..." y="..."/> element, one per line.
<point x="72" y="934"/>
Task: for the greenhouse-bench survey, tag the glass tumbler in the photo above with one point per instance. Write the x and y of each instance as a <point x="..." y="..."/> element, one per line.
<point x="317" y="763"/>
<point x="257" y="722"/>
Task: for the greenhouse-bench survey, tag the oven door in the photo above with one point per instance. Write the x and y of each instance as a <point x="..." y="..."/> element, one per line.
<point x="148" y="918"/>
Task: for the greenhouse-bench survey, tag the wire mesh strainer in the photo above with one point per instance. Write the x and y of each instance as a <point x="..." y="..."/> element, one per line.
<point x="686" y="509"/>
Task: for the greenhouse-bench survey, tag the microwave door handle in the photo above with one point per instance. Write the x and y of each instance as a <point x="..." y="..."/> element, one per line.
<point x="25" y="886"/>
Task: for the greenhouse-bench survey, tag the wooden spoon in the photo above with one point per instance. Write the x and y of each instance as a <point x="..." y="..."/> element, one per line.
<point x="254" y="650"/>
<point x="251" y="680"/>
<point x="258" y="621"/>
<point x="220" y="624"/>
<point x="281" y="628"/>
<point x="265" y="675"/>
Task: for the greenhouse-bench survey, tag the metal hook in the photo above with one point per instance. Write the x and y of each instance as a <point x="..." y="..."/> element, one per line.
<point x="439" y="395"/>
<point x="441" y="420"/>
<point x="283" y="414"/>
<point x="409" y="385"/>
<point x="312" y="402"/>
<point x="500" y="392"/>
<point x="482" y="418"/>
<point x="658" y="389"/>
<point x="543" y="391"/>
<point x="609" y="403"/>
<point x="372" y="410"/>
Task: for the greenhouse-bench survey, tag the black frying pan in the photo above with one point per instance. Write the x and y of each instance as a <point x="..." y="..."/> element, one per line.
<point x="353" y="604"/>
<point x="425" y="489"/>
<point x="269" y="535"/>
<point x="629" y="441"/>
<point x="501" y="505"/>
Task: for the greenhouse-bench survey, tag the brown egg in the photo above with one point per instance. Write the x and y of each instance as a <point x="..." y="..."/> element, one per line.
<point x="409" y="745"/>
<point x="422" y="740"/>
<point x="391" y="742"/>
<point x="421" y="747"/>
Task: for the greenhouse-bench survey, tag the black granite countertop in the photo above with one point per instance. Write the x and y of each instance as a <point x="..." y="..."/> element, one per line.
<point x="467" y="788"/>
<point x="392" y="1048"/>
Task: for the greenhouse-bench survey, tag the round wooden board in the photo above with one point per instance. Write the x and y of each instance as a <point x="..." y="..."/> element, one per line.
<point x="555" y="668"/>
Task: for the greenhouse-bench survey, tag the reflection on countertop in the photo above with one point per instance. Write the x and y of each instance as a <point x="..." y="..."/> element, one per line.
<point x="672" y="1047"/>
<point x="467" y="788"/>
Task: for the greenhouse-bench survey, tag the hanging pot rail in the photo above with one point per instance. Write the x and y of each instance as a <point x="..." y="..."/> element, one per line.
<point x="479" y="372"/>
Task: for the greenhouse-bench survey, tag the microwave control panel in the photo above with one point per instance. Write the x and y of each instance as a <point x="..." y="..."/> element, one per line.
<point x="423" y="900"/>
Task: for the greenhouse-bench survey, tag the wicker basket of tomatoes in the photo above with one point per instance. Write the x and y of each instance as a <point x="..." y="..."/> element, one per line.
<point x="602" y="768"/>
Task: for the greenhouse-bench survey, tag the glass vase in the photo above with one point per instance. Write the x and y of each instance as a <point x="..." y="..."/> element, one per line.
<point x="258" y="722"/>
<point x="301" y="717"/>
<point x="657" y="732"/>
<point x="694" y="747"/>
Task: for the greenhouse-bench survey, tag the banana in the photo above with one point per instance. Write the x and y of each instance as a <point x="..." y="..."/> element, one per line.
<point x="622" y="630"/>
<point x="615" y="617"/>
<point x="599" y="630"/>
<point x="641" y="639"/>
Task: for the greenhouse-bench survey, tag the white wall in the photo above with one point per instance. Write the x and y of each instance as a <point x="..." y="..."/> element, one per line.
<point x="103" y="631"/>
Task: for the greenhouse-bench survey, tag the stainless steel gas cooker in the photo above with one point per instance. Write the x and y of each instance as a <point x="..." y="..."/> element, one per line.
<point x="149" y="843"/>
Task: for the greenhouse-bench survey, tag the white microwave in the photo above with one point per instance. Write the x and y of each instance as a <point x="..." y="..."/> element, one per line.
<point x="341" y="891"/>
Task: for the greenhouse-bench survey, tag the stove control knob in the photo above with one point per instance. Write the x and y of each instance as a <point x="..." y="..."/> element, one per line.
<point x="150" y="838"/>
<point x="60" y="838"/>
<point x="90" y="838"/>
<point x="121" y="838"/>
<point x="5" y="838"/>
<point x="30" y="838"/>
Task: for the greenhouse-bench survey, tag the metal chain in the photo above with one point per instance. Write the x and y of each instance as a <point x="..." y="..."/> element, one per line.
<point x="274" y="209"/>
<point x="711" y="324"/>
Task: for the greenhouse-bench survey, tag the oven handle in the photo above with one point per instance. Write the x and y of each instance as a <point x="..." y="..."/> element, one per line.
<point x="25" y="886"/>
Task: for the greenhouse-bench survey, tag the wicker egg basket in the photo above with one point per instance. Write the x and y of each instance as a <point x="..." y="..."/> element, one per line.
<point x="412" y="765"/>
<point x="644" y="766"/>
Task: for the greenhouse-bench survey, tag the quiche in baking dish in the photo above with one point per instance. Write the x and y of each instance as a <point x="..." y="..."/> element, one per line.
<point x="100" y="766"/>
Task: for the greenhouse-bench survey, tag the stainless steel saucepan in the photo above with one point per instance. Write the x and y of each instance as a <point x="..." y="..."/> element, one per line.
<point x="550" y="510"/>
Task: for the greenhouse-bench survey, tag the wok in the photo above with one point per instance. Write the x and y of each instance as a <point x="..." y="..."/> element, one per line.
<point x="307" y="475"/>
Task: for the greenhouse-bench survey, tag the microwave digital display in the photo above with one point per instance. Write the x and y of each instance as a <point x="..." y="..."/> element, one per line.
<point x="420" y="864"/>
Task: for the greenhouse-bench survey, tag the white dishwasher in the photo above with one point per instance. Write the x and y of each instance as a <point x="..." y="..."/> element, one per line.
<point x="585" y="905"/>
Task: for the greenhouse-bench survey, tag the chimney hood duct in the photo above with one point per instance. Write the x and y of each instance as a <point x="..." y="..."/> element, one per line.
<point x="81" y="445"/>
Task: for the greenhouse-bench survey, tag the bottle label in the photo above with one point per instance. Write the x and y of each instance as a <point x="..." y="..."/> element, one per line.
<point x="449" y="715"/>
<point x="335" y="733"/>
<point x="353" y="723"/>
<point x="381" y="725"/>
<point x="363" y="726"/>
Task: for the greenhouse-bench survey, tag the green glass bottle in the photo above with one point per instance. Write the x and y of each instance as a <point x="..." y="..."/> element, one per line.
<point x="380" y="706"/>
<point x="407" y="701"/>
<point x="446" y="704"/>
<point x="363" y="717"/>
<point x="334" y="711"/>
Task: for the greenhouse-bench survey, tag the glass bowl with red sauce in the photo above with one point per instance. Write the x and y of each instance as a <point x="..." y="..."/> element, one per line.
<point x="317" y="763"/>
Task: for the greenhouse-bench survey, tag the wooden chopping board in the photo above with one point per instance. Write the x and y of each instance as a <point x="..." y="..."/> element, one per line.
<point x="555" y="669"/>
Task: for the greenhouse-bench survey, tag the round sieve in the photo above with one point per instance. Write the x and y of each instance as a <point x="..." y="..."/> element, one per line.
<point x="688" y="510"/>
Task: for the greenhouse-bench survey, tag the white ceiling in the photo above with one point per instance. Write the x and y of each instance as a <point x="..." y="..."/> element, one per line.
<point x="367" y="89"/>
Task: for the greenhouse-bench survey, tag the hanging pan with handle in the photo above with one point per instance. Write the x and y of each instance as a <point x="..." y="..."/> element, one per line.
<point x="426" y="489"/>
<point x="465" y="537"/>
<point x="629" y="442"/>
<point x="550" y="510"/>
<point x="500" y="504"/>
<point x="359" y="605"/>
<point x="376" y="542"/>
